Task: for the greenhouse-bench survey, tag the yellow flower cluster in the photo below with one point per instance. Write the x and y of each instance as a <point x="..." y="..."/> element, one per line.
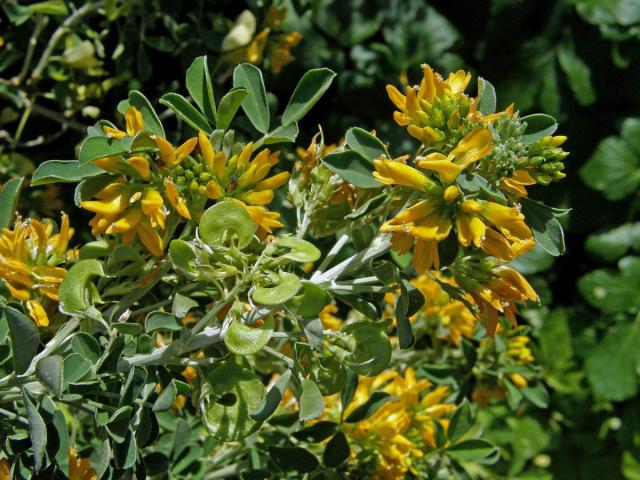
<point x="138" y="203"/>
<point x="32" y="259"/>
<point x="400" y="431"/>
<point x="497" y="229"/>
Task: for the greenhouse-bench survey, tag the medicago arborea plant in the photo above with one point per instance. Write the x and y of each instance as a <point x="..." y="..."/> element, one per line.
<point x="247" y="309"/>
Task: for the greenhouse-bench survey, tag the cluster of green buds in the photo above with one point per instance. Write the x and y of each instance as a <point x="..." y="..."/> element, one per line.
<point x="545" y="159"/>
<point x="507" y="130"/>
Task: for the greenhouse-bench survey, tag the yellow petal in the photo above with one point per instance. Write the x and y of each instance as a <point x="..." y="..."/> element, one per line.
<point x="273" y="183"/>
<point x="213" y="190"/>
<point x="109" y="164"/>
<point x="393" y="172"/>
<point x="113" y="132"/>
<point x="185" y="149"/>
<point x="133" y="119"/>
<point x="167" y="155"/>
<point x="140" y="165"/>
<point x="263" y="197"/>
<point x="127" y="222"/>
<point x="38" y="313"/>
<point x="208" y="154"/>
<point x="106" y="207"/>
<point x="150" y="239"/>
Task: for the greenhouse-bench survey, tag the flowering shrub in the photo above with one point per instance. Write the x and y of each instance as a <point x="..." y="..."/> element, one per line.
<point x="208" y="327"/>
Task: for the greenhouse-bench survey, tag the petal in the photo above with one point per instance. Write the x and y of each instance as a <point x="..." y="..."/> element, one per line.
<point x="273" y="183"/>
<point x="150" y="239"/>
<point x="140" y="165"/>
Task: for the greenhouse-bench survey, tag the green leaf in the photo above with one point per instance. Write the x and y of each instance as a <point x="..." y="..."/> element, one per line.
<point x="150" y="118"/>
<point x="366" y="144"/>
<point x="129" y="328"/>
<point x="272" y="398"/>
<point x="9" y="196"/>
<point x="317" y="432"/>
<point x="118" y="423"/>
<point x="546" y="228"/>
<point x="158" y="42"/>
<point x="166" y="398"/>
<point x="242" y="339"/>
<point x="281" y="134"/>
<point x="310" y="302"/>
<point x="201" y="89"/>
<point x="537" y="395"/>
<point x="461" y="421"/>
<point x="614" y="243"/>
<point x="610" y="291"/>
<point x="368" y="408"/>
<point x="56" y="171"/>
<point x="538" y="125"/>
<point x="310" y="88"/>
<point x="486" y="97"/>
<point x="284" y="287"/>
<point x="50" y="371"/>
<point x="337" y="451"/>
<point x="229" y="396"/>
<point x="352" y="167"/>
<point x="73" y="289"/>
<point x="294" y="458"/>
<point x="24" y="339"/>
<point x="183" y="255"/>
<point x="311" y="402"/>
<point x="37" y="431"/>
<point x="229" y="105"/>
<point x="471" y="450"/>
<point x="224" y="218"/>
<point x="372" y="352"/>
<point x="577" y="72"/>
<point x="255" y="105"/>
<point x="187" y="112"/>
<point x="75" y="368"/>
<point x="613" y="169"/>
<point x="161" y="321"/>
<point x="612" y="366"/>
<point x="182" y="304"/>
<point x="49" y="7"/>
<point x="98" y="147"/>
<point x="299" y="250"/>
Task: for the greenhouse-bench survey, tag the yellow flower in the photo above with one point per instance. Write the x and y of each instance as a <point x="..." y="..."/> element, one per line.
<point x="30" y="259"/>
<point x="80" y="468"/>
<point x="171" y="156"/>
<point x="518" y="380"/>
<point x="495" y="291"/>
<point x="131" y="210"/>
<point x="517" y="184"/>
<point x="133" y="121"/>
<point x="453" y="314"/>
<point x="435" y="111"/>
<point x="280" y="50"/>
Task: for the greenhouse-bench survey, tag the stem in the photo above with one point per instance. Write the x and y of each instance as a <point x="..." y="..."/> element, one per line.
<point x="335" y="250"/>
<point x="33" y="41"/>
<point x="13" y="416"/>
<point x="379" y="246"/>
<point x="279" y="355"/>
<point x="162" y="303"/>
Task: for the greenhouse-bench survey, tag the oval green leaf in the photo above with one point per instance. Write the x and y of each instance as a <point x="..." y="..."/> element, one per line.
<point x="200" y="87"/>
<point x="229" y="105"/>
<point x="310" y="88"/>
<point x="255" y="104"/>
<point x="353" y="168"/>
<point x="187" y="112"/>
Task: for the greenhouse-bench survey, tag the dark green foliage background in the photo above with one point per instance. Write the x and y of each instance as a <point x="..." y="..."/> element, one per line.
<point x="576" y="60"/>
